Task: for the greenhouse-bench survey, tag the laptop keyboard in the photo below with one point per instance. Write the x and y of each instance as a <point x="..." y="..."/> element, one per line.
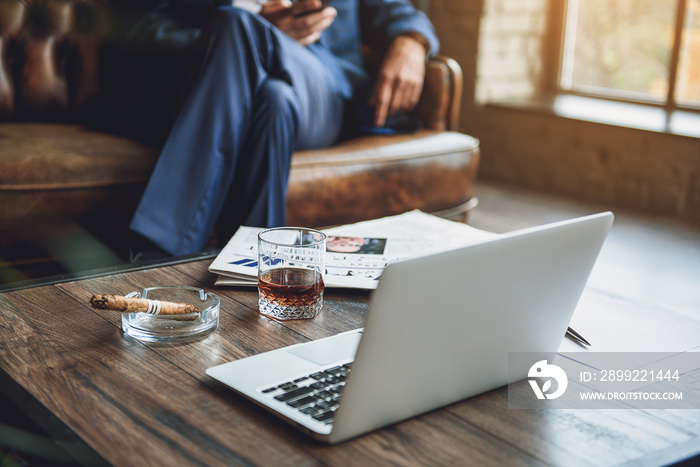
<point x="315" y="395"/>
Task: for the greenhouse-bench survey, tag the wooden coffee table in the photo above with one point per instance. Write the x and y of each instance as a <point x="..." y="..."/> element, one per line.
<point x="107" y="398"/>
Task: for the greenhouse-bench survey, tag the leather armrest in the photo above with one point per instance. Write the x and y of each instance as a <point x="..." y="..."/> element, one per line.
<point x="440" y="102"/>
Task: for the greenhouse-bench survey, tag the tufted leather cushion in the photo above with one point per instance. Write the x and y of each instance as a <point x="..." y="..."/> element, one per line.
<point x="48" y="50"/>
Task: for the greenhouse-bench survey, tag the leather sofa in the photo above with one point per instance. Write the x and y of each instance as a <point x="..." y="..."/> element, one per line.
<point x="53" y="167"/>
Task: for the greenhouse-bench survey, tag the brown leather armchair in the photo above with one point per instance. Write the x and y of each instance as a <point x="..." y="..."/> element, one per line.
<point x="52" y="167"/>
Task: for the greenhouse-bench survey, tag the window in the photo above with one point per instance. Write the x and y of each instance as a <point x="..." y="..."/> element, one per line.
<point x="636" y="50"/>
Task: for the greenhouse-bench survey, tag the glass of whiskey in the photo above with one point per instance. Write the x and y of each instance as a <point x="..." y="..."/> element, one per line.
<point x="291" y="263"/>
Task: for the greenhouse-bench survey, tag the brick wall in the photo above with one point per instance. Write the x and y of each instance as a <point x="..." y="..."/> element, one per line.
<point x="500" y="44"/>
<point x="509" y="63"/>
<point x="457" y="23"/>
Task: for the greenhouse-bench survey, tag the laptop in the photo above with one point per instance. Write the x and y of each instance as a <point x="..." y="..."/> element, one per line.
<point x="438" y="330"/>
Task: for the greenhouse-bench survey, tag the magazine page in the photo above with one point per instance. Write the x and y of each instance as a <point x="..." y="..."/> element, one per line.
<point x="356" y="254"/>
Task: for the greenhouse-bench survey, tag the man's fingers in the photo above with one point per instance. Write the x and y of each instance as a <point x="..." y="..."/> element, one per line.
<point x="396" y="100"/>
<point x="411" y="96"/>
<point x="392" y="95"/>
<point x="381" y="99"/>
<point x="302" y="7"/>
<point x="401" y="76"/>
<point x="303" y="27"/>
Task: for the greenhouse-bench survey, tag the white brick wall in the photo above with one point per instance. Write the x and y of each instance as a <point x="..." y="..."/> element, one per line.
<point x="510" y="42"/>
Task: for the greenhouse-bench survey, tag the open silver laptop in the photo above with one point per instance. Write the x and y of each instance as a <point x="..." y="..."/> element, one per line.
<point x="438" y="330"/>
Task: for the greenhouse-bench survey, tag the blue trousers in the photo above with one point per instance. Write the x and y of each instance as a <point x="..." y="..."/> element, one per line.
<point x="256" y="97"/>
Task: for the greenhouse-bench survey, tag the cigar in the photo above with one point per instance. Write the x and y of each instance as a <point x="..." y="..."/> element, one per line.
<point x="143" y="305"/>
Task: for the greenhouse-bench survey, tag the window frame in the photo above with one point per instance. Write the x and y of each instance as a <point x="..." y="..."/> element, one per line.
<point x="554" y="61"/>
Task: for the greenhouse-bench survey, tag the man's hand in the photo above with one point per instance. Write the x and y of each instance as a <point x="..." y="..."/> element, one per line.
<point x="305" y="29"/>
<point x="400" y="80"/>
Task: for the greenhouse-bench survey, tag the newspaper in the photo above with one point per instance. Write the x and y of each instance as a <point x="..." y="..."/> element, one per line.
<point x="356" y="254"/>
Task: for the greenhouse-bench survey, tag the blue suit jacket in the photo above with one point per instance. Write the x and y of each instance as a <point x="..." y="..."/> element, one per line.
<point x="372" y="22"/>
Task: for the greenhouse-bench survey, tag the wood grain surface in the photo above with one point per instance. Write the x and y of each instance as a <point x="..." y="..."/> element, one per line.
<point x="107" y="398"/>
<point x="152" y="404"/>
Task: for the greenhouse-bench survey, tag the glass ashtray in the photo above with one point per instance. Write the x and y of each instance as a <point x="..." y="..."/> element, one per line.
<point x="173" y="328"/>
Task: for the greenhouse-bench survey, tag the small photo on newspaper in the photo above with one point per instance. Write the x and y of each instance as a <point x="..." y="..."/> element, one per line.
<point x="355" y="257"/>
<point x="355" y="245"/>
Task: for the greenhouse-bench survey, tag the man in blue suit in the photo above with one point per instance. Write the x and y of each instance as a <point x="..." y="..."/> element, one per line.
<point x="271" y="78"/>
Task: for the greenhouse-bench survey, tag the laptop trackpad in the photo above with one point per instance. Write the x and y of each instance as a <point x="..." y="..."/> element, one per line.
<point x="327" y="351"/>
